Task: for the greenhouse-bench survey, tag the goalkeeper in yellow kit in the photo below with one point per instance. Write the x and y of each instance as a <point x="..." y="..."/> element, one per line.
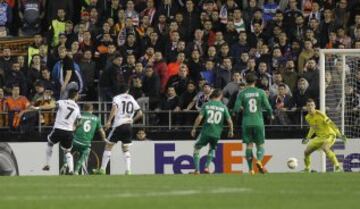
<point x="326" y="133"/>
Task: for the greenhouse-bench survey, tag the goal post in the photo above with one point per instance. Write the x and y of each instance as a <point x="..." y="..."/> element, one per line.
<point x="339" y="86"/>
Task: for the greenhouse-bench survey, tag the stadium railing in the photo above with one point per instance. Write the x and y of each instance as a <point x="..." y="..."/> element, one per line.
<point x="165" y="119"/>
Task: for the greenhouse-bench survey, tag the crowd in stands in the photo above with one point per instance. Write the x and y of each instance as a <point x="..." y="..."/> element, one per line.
<point x="171" y="51"/>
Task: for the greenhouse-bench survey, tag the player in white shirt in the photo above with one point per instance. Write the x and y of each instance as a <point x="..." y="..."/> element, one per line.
<point x="68" y="112"/>
<point x="124" y="107"/>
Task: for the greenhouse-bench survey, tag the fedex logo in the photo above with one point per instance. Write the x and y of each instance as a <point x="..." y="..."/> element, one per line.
<point x="350" y="161"/>
<point x="224" y="159"/>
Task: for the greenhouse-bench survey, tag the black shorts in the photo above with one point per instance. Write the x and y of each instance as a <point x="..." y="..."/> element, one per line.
<point x="64" y="137"/>
<point x="121" y="133"/>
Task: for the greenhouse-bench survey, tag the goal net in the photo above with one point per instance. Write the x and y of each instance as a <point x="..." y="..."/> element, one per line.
<point x="340" y="90"/>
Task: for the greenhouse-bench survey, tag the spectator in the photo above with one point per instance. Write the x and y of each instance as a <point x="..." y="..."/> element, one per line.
<point x="15" y="105"/>
<point x="3" y="119"/>
<point x="290" y="75"/>
<point x="149" y="11"/>
<point x="6" y="61"/>
<point x="57" y="26"/>
<point x="278" y="61"/>
<point x="209" y="74"/>
<point x="169" y="102"/>
<point x="251" y="67"/>
<point x="31" y="13"/>
<point x="301" y="94"/>
<point x="212" y="55"/>
<point x="201" y="98"/>
<point x="66" y="72"/>
<point x="224" y="52"/>
<point x="241" y="64"/>
<point x="198" y="43"/>
<point x="112" y="78"/>
<point x="16" y="77"/>
<point x="136" y="88"/>
<point x="47" y="81"/>
<point x="281" y="103"/>
<point x="277" y="80"/>
<point x="343" y="38"/>
<point x="42" y="100"/>
<point x="173" y="67"/>
<point x="151" y="87"/>
<point x="129" y="68"/>
<point x="291" y="14"/>
<point x="6" y="17"/>
<point x="161" y="69"/>
<point x="327" y="25"/>
<point x="224" y="73"/>
<point x="232" y="86"/>
<point x="131" y="13"/>
<point x="195" y="66"/>
<point x="141" y="135"/>
<point x="312" y="76"/>
<point x="227" y="10"/>
<point x="53" y="7"/>
<point x="187" y="97"/>
<point x="241" y="46"/>
<point x="306" y="54"/>
<point x="34" y="48"/>
<point x="34" y="73"/>
<point x="249" y="10"/>
<point x="88" y="70"/>
<point x="179" y="81"/>
<point x="342" y="13"/>
<point x="264" y="78"/>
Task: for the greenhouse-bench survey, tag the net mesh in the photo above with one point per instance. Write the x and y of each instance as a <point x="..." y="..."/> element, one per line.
<point x="347" y="118"/>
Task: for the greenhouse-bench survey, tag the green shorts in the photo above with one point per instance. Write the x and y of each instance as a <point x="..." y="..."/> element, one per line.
<point x="253" y="134"/>
<point x="80" y="147"/>
<point x="202" y="140"/>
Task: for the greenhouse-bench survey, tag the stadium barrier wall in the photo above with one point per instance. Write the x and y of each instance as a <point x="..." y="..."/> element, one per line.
<point x="175" y="157"/>
<point x="30" y="158"/>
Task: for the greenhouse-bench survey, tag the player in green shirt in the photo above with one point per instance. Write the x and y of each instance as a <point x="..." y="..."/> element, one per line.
<point x="252" y="101"/>
<point x="214" y="113"/>
<point x="84" y="135"/>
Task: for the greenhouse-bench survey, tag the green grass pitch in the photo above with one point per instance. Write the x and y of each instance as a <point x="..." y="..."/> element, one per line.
<point x="271" y="191"/>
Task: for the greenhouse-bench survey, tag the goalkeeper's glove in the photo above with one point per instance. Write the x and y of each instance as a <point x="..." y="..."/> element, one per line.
<point x="343" y="138"/>
<point x="305" y="140"/>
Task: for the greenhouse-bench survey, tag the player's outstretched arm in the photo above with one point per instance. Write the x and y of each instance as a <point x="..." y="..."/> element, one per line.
<point x="196" y="124"/>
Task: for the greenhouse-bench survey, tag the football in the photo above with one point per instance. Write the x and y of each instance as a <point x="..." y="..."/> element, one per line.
<point x="292" y="163"/>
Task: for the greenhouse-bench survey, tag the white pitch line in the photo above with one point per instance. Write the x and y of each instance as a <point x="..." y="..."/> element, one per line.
<point x="124" y="195"/>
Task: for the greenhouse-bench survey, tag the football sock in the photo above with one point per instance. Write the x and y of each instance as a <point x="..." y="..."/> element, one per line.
<point x="260" y="152"/>
<point x="127" y="160"/>
<point x="48" y="153"/>
<point x="307" y="161"/>
<point x="70" y="161"/>
<point x="197" y="160"/>
<point x="331" y="155"/>
<point x="105" y="159"/>
<point x="249" y="158"/>
<point x="81" y="160"/>
<point x="210" y="157"/>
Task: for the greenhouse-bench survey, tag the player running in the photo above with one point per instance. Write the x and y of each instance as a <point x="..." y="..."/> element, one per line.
<point x="67" y="114"/>
<point x="84" y="135"/>
<point x="326" y="133"/>
<point x="252" y="101"/>
<point x="123" y="110"/>
<point x="214" y="112"/>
